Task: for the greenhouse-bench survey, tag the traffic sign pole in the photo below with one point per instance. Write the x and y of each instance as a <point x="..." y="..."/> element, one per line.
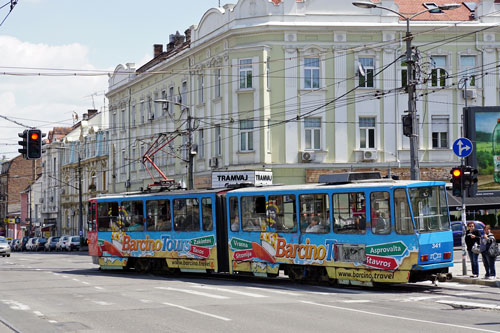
<point x="462" y="147"/>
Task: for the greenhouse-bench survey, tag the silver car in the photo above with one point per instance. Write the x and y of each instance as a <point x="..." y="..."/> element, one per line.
<point x="4" y="247"/>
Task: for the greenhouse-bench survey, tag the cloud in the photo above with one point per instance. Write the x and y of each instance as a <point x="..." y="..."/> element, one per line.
<point x="42" y="101"/>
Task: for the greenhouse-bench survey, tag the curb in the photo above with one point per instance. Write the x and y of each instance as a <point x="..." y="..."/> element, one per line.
<point x="478" y="281"/>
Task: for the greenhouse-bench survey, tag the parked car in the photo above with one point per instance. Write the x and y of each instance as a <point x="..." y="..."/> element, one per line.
<point x="40" y="243"/>
<point x="61" y="243"/>
<point x="4" y="247"/>
<point x="12" y="244"/>
<point x="30" y="245"/>
<point x="50" y="245"/>
<point x="73" y="243"/>
<point x="456" y="227"/>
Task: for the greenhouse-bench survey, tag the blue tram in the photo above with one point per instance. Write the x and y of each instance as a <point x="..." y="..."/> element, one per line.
<point x="344" y="229"/>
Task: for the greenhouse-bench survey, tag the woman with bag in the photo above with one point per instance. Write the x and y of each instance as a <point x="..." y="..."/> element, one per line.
<point x="472" y="238"/>
<point x="488" y="241"/>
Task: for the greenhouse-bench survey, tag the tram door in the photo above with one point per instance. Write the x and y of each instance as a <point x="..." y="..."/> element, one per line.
<point x="92" y="229"/>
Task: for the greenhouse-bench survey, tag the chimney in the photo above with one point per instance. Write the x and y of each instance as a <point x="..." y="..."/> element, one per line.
<point x="178" y="39"/>
<point x="170" y="45"/>
<point x="91" y="113"/>
<point x="188" y="35"/>
<point x="158" y="49"/>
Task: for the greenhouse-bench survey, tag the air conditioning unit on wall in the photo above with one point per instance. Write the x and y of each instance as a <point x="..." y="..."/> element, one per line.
<point x="470" y="93"/>
<point x="213" y="162"/>
<point x="370" y="155"/>
<point x="306" y="156"/>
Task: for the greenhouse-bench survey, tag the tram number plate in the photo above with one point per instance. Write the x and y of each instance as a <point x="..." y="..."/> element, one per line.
<point x="436" y="245"/>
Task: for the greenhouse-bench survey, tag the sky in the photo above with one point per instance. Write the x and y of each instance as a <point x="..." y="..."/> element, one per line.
<point x="73" y="36"/>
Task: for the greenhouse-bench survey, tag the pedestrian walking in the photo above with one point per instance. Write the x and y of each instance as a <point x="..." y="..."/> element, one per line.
<point x="472" y="239"/>
<point x="489" y="257"/>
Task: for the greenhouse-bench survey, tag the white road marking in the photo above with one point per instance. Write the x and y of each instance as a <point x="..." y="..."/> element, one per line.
<point x="99" y="288"/>
<point x="146" y="301"/>
<point x="76" y="280"/>
<point x="53" y="321"/>
<point x="199" y="293"/>
<point x="266" y="290"/>
<point x="396" y="317"/>
<point x="38" y="313"/>
<point x="469" y="305"/>
<point x="14" y="305"/>
<point x="228" y="290"/>
<point x="85" y="282"/>
<point x="421" y="298"/>
<point x="357" y="301"/>
<point x="199" y="312"/>
<point x="102" y="303"/>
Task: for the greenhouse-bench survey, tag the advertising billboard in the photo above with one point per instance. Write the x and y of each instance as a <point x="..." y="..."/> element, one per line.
<point x="482" y="127"/>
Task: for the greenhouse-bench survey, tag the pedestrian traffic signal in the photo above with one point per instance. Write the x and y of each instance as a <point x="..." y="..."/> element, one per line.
<point x="34" y="148"/>
<point x="456" y="181"/>
<point x="407" y="125"/>
<point x="24" y="144"/>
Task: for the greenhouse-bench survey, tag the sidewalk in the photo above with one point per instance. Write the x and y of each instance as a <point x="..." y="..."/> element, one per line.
<point x="458" y="276"/>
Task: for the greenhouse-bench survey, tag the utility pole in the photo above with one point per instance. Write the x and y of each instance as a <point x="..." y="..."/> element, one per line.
<point x="80" y="220"/>
<point x="190" y="152"/>
<point x="412" y="108"/>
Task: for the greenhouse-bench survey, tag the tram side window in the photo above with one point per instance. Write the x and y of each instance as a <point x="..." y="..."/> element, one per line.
<point x="206" y="213"/>
<point x="314" y="213"/>
<point x="107" y="213"/>
<point x="402" y="215"/>
<point x="234" y="212"/>
<point x="380" y="213"/>
<point x="349" y="213"/>
<point x="282" y="213"/>
<point x="133" y="215"/>
<point x="253" y="213"/>
<point x="158" y="215"/>
<point x="186" y="214"/>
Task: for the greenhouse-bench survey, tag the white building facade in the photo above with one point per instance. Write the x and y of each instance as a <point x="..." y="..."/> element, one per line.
<point x="302" y="88"/>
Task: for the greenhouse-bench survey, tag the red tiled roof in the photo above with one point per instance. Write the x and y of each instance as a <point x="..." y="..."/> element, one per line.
<point x="409" y="7"/>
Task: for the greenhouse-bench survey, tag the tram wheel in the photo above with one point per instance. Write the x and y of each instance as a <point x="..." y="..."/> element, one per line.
<point x="142" y="266"/>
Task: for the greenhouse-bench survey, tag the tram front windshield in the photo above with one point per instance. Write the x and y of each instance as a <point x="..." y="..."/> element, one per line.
<point x="429" y="208"/>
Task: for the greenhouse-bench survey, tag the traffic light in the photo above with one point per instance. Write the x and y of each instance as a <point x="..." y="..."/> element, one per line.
<point x="456" y="181"/>
<point x="34" y="149"/>
<point x="470" y="176"/>
<point x="407" y="125"/>
<point x="24" y="144"/>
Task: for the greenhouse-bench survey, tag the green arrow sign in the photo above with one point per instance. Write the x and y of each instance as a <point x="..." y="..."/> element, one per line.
<point x="203" y="241"/>
<point x="387" y="250"/>
<point x="240" y="244"/>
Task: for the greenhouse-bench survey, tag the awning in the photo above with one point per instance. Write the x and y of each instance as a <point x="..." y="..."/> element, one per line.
<point x="479" y="202"/>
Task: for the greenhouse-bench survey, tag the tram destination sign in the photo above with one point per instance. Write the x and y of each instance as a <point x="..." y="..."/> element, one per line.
<point x="224" y="178"/>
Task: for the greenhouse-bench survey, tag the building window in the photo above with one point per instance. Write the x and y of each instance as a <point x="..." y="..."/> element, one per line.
<point x="218" y="141"/>
<point x="439" y="132"/>
<point x="201" y="143"/>
<point x="366" y="132"/>
<point x="312" y="128"/>
<point x="438" y="73"/>
<point x="246" y="135"/>
<point x="245" y="73"/>
<point x="170" y="105"/>
<point x="368" y="66"/>
<point x="142" y="112"/>
<point x="114" y="123"/>
<point x="133" y="115"/>
<point x="201" y="87"/>
<point x="183" y="100"/>
<point x="132" y="160"/>
<point x="124" y="161"/>
<point x="311" y="73"/>
<point x="163" y="105"/>
<point x="123" y="119"/>
<point x="468" y="68"/>
<point x="150" y="108"/>
<point x="217" y="82"/>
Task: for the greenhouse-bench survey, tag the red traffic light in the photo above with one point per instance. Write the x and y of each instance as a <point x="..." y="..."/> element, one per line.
<point x="34" y="136"/>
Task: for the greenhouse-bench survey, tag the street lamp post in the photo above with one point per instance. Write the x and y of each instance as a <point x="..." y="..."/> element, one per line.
<point x="190" y="139"/>
<point x="412" y="109"/>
